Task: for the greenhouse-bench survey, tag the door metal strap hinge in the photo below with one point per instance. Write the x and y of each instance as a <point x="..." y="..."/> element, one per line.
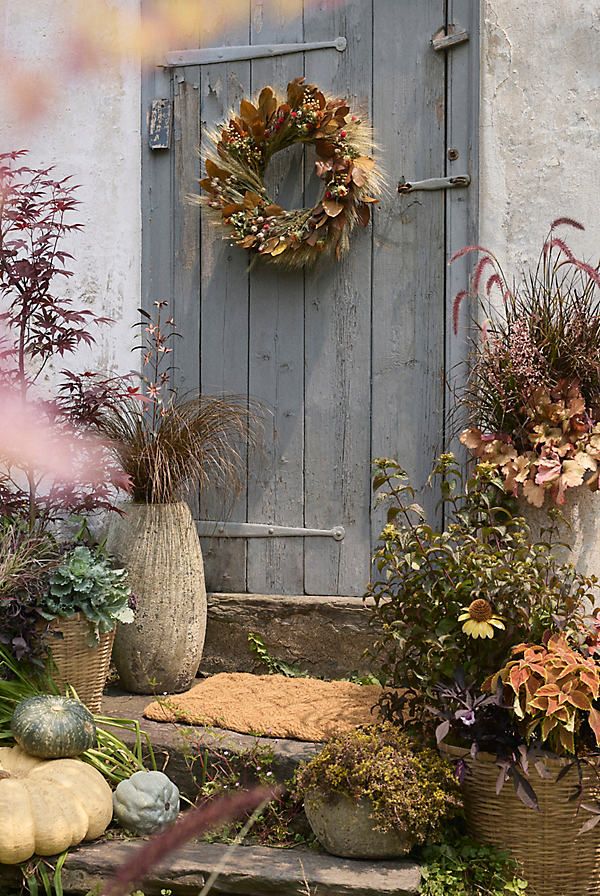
<point x="213" y="529"/>
<point x="434" y="183"/>
<point x="213" y="55"/>
<point x="445" y="39"/>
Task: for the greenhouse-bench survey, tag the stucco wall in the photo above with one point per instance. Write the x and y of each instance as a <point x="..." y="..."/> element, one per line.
<point x="89" y="127"/>
<point x="540" y="123"/>
<point x="540" y="151"/>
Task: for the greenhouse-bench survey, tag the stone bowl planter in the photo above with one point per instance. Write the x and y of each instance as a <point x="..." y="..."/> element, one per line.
<point x="345" y="828"/>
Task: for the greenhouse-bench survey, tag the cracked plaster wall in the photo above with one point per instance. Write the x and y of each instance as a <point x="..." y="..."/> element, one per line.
<point x="540" y="159"/>
<point x="540" y="124"/>
<point x="90" y="128"/>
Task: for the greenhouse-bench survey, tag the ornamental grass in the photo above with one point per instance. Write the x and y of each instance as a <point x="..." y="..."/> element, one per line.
<point x="533" y="393"/>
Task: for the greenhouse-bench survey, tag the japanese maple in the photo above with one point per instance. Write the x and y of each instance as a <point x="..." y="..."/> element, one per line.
<point x="40" y="326"/>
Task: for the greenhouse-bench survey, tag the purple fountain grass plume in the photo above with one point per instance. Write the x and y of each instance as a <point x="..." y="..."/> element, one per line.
<point x="568" y="222"/>
<point x="456" y="308"/>
<point x="193" y="823"/>
<point x="468" y="249"/>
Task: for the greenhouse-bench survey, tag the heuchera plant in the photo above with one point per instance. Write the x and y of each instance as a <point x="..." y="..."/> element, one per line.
<point x="41" y="326"/>
<point x="534" y="390"/>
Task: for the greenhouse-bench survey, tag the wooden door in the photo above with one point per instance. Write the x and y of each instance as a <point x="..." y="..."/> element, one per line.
<point x="350" y="358"/>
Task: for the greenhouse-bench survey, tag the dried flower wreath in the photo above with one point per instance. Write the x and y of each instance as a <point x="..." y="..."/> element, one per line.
<point x="241" y="149"/>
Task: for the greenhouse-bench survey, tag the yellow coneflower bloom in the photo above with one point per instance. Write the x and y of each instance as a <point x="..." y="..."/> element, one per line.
<point x="479" y="619"/>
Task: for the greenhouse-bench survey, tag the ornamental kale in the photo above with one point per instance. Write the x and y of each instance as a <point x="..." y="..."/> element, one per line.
<point x="86" y="583"/>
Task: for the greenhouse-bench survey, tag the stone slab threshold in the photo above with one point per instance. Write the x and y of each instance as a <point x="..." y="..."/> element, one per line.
<point x="176" y="745"/>
<point x="244" y="871"/>
<point x="325" y="636"/>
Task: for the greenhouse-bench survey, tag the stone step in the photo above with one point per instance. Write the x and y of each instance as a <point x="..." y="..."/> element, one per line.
<point x="175" y="746"/>
<point x="244" y="871"/>
<point x="325" y="636"/>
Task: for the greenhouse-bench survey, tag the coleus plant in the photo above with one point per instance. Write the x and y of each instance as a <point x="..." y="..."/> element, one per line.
<point x="533" y="395"/>
<point x="552" y="689"/>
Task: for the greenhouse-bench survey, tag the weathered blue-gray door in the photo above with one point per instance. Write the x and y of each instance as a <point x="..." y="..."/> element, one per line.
<point x="349" y="358"/>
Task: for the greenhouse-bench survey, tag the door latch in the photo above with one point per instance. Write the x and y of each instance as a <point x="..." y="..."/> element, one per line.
<point x="434" y="183"/>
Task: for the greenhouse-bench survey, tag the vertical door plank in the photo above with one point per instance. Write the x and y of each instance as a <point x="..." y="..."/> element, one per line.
<point x="185" y="306"/>
<point x="276" y="356"/>
<point x="338" y="340"/>
<point x="409" y="257"/>
<point x="461" y="205"/>
<point x="224" y="335"/>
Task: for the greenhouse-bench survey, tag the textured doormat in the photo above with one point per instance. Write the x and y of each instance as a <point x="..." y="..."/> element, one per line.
<point x="272" y="706"/>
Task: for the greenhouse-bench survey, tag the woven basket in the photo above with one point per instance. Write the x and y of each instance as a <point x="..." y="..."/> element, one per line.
<point x="78" y="664"/>
<point x="555" y="859"/>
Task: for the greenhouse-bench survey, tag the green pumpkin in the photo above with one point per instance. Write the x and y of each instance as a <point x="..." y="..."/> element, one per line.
<point x="53" y="727"/>
<point x="147" y="802"/>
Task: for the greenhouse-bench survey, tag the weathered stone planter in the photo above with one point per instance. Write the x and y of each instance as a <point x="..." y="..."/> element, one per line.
<point x="345" y="828"/>
<point x="158" y="545"/>
<point x="581" y="532"/>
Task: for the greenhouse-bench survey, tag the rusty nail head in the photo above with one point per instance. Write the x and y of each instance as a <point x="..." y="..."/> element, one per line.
<point x="453" y="154"/>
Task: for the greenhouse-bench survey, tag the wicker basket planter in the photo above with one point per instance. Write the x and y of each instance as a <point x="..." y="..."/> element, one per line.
<point x="555" y="859"/>
<point x="78" y="663"/>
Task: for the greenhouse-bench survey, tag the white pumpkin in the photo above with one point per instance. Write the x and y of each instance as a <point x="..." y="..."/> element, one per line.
<point x="146" y="802"/>
<point x="48" y="805"/>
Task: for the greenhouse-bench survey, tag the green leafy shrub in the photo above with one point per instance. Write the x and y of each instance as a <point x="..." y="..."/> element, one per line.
<point x="409" y="786"/>
<point x="462" y="867"/>
<point x="281" y="823"/>
<point x="86" y="583"/>
<point x="460" y="597"/>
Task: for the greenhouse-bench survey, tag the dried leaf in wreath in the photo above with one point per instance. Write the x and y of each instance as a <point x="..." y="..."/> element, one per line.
<point x="363" y="213"/>
<point x="332" y="207"/>
<point x="248" y="111"/>
<point x="279" y="249"/>
<point x="273" y="211"/>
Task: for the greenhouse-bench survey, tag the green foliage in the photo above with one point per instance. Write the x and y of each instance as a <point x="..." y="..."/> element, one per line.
<point x="410" y="786"/>
<point x="111" y="756"/>
<point x="462" y="867"/>
<point x="281" y="823"/>
<point x="86" y="583"/>
<point x="273" y="665"/>
<point x="428" y="578"/>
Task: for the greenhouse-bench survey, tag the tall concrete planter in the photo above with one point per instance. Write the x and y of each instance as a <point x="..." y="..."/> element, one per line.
<point x="580" y="532"/>
<point x="158" y="545"/>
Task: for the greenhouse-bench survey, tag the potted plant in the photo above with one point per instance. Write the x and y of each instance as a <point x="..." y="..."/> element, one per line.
<point x="461" y="595"/>
<point x="374" y="794"/>
<point x="166" y="445"/>
<point x="85" y="599"/>
<point x="536" y="724"/>
<point x="484" y="630"/>
<point x="533" y="391"/>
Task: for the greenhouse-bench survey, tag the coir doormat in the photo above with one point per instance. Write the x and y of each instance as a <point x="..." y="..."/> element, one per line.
<point x="272" y="705"/>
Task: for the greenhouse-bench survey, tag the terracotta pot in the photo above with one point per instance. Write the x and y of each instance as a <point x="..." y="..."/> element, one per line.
<point x="345" y="828"/>
<point x="554" y="857"/>
<point x="158" y="545"/>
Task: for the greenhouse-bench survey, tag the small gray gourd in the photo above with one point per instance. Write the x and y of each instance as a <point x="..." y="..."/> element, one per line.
<point x="147" y="802"/>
